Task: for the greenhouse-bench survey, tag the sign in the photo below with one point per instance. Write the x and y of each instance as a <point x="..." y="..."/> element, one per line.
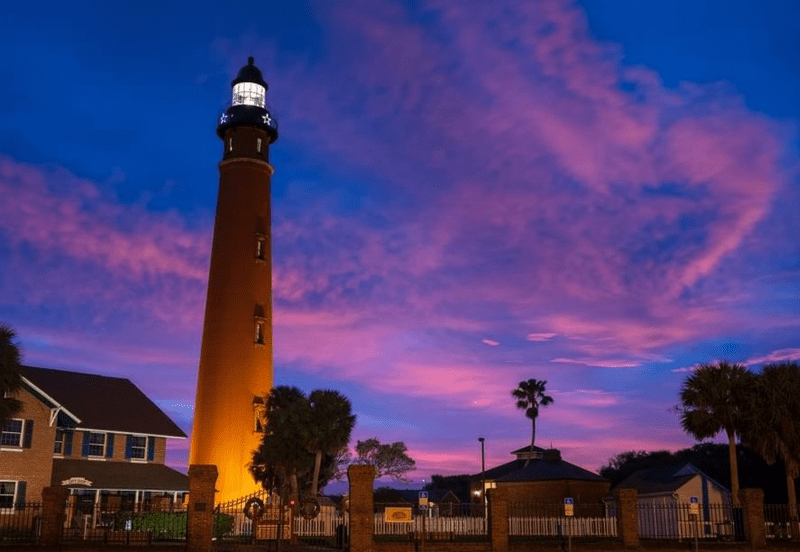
<point x="569" y="507"/>
<point x="77" y="481"/>
<point x="694" y="506"/>
<point x="423" y="498"/>
<point x="397" y="515"/>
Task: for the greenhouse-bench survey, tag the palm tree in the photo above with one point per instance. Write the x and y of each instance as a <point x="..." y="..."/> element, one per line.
<point x="714" y="398"/>
<point x="773" y="424"/>
<point x="10" y="379"/>
<point x="283" y="455"/>
<point x="530" y="396"/>
<point x="332" y="423"/>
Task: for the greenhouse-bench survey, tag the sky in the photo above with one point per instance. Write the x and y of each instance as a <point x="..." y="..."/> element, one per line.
<point x="600" y="194"/>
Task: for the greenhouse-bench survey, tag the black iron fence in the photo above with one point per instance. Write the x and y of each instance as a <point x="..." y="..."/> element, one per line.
<point x="111" y="524"/>
<point x="681" y="521"/>
<point x="782" y="522"/>
<point x="21" y="524"/>
<point x="256" y="518"/>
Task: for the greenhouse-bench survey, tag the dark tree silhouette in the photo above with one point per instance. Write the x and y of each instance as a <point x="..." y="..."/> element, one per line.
<point x="331" y="425"/>
<point x="715" y="398"/>
<point x="10" y="379"/>
<point x="772" y="424"/>
<point x="530" y="396"/>
<point x="392" y="460"/>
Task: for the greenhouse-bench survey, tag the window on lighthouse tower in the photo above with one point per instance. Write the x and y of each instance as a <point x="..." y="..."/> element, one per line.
<point x="249" y="93"/>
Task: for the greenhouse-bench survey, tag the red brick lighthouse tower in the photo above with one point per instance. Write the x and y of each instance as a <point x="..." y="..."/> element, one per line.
<point x="236" y="351"/>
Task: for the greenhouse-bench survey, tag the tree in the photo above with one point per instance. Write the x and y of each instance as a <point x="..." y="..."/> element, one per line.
<point x="332" y="424"/>
<point x="389" y="460"/>
<point x="10" y="379"/>
<point x="714" y="398"/>
<point x="530" y="396"/>
<point x="773" y="421"/>
<point x="304" y="442"/>
<point x="283" y="456"/>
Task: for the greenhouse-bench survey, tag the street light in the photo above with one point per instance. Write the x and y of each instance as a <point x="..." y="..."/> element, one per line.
<point x="483" y="469"/>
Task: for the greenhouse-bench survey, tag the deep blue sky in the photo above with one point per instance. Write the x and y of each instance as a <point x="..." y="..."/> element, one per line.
<point x="601" y="194"/>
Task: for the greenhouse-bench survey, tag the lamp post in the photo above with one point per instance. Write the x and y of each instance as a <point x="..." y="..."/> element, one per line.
<point x="483" y="470"/>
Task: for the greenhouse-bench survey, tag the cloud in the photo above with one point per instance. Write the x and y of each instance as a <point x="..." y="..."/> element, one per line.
<point x="775" y="356"/>
<point x="540" y="336"/>
<point x="490" y="342"/>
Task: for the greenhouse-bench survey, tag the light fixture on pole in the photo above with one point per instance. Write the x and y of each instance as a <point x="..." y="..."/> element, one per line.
<point x="483" y="469"/>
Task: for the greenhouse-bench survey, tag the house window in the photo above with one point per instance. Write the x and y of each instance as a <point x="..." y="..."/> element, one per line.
<point x="97" y="444"/>
<point x="138" y="447"/>
<point x="7" y="491"/>
<point x="11" y="435"/>
<point x="59" y="446"/>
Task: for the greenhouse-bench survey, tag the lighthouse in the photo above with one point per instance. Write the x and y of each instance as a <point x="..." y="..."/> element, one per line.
<point x="236" y="352"/>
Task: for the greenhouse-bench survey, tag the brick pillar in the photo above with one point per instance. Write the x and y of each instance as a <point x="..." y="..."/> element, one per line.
<point x="54" y="502"/>
<point x="200" y="528"/>
<point x="361" y="507"/>
<point x="752" y="503"/>
<point x="627" y="517"/>
<point x="498" y="519"/>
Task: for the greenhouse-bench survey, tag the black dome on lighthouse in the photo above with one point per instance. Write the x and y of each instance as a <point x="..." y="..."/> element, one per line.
<point x="250" y="73"/>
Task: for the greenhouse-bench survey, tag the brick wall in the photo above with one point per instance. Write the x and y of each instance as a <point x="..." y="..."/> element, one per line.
<point x="33" y="465"/>
<point x="583" y="492"/>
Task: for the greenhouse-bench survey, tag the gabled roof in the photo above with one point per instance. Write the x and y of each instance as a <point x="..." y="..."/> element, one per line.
<point x="549" y="467"/>
<point x="118" y="475"/>
<point x="102" y="403"/>
<point x="663" y="479"/>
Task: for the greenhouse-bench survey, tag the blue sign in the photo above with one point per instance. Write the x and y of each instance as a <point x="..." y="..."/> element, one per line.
<point x="568" y="501"/>
<point x="693" y="500"/>
<point x="423" y="494"/>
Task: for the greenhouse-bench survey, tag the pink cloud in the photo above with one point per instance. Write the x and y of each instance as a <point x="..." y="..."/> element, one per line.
<point x="775" y="356"/>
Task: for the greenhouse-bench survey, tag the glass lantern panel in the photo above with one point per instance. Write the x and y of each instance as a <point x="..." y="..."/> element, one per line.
<point x="249" y="93"/>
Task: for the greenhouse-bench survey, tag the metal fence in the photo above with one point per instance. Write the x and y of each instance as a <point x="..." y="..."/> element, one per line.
<point x="676" y="521"/>
<point x="22" y="524"/>
<point x="232" y="525"/>
<point x="527" y="519"/>
<point x="782" y="522"/>
<point x="110" y="524"/>
<point x="460" y="522"/>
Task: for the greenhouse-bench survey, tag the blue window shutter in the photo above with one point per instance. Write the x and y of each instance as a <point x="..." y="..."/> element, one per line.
<point x="109" y="445"/>
<point x="21" y="488"/>
<point x="67" y="443"/>
<point x="128" y="447"/>
<point x="151" y="448"/>
<point x="85" y="445"/>
<point x="27" y="434"/>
